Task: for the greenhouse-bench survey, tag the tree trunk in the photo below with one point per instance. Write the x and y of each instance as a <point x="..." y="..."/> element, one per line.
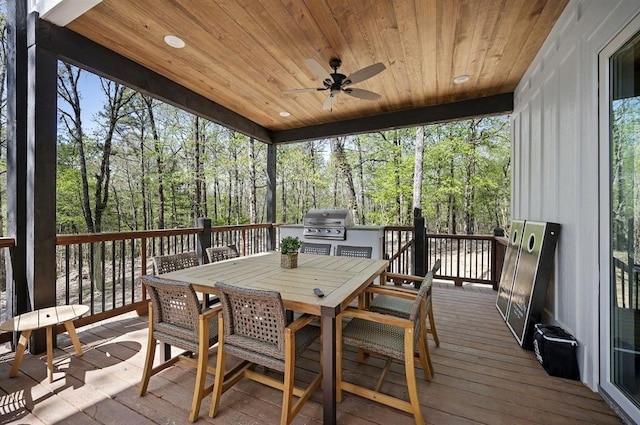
<point x="253" y="207"/>
<point x="361" y="176"/>
<point x="438" y="206"/>
<point x="452" y="213"/>
<point x="337" y="145"/>
<point x="143" y="179"/>
<point x="236" y="192"/>
<point x="118" y="97"/>
<point x="417" y="168"/>
<point x="3" y="77"/>
<point x="197" y="136"/>
<point x="312" y="155"/>
<point x="157" y="146"/>
<point x="283" y="197"/>
<point x="68" y="90"/>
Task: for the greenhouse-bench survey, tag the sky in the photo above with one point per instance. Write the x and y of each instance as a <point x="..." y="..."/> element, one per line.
<point x="91" y="100"/>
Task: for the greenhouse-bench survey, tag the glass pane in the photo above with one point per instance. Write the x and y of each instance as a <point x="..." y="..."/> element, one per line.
<point x="625" y="218"/>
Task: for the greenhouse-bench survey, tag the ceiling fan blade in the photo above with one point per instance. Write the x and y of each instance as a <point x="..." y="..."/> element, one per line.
<point x="362" y="94"/>
<point x="317" y="69"/>
<point x="364" y="73"/>
<point x="308" y="90"/>
<point x="328" y="103"/>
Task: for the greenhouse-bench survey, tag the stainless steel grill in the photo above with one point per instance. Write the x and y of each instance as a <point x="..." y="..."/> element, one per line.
<point x="327" y="224"/>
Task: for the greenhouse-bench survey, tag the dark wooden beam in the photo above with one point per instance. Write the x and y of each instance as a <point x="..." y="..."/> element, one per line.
<point x="42" y="126"/>
<point x="86" y="54"/>
<point x="484" y="106"/>
<point x="17" y="296"/>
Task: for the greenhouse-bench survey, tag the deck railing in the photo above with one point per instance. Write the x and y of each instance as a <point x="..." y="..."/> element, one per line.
<point x="103" y="270"/>
<point x="464" y="258"/>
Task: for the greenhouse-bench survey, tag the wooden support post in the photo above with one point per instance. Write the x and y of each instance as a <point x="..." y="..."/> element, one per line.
<point x="17" y="295"/>
<point x="40" y="184"/>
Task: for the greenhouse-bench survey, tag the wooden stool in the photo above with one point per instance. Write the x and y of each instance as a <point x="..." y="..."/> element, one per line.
<point x="44" y="318"/>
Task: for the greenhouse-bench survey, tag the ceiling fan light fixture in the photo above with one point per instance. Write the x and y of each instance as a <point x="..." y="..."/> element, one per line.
<point x="460" y="79"/>
<point x="337" y="83"/>
<point x="284" y="114"/>
<point x="174" y="41"/>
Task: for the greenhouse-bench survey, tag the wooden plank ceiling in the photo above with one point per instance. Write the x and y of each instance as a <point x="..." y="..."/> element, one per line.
<point x="243" y="54"/>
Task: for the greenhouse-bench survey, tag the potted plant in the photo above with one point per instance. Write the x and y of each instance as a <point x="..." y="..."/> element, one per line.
<point x="289" y="246"/>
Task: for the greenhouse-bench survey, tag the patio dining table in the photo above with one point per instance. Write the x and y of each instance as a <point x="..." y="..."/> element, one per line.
<point x="341" y="279"/>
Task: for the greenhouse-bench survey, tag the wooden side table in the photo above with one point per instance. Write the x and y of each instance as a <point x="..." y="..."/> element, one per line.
<point x="44" y="318"/>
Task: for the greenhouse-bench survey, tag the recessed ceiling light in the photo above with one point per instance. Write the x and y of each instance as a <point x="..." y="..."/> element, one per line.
<point x="284" y="114"/>
<point x="174" y="41"/>
<point x="461" y="79"/>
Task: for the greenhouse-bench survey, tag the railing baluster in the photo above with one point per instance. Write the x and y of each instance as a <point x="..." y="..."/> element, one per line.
<point x="80" y="273"/>
<point x="92" y="276"/>
<point x="67" y="280"/>
<point x="133" y="270"/>
<point x="103" y="287"/>
<point x="113" y="274"/>
<point x="123" y="259"/>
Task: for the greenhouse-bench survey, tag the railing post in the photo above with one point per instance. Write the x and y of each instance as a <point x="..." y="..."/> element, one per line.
<point x="497" y="258"/>
<point x="419" y="268"/>
<point x="204" y="239"/>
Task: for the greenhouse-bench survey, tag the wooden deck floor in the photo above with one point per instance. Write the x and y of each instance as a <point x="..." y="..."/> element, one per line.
<point x="482" y="376"/>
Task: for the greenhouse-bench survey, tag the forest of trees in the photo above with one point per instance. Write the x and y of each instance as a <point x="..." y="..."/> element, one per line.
<point x="141" y="164"/>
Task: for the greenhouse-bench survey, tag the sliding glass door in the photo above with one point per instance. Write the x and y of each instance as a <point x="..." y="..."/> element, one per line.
<point x="620" y="311"/>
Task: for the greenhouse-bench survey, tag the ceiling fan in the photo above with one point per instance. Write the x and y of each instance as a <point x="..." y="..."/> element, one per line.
<point x="337" y="83"/>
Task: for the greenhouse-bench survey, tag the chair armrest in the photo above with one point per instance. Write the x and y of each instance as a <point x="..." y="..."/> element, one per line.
<point x="393" y="291"/>
<point x="412" y="278"/>
<point x="377" y="317"/>
<point x="300" y="322"/>
<point x="211" y="312"/>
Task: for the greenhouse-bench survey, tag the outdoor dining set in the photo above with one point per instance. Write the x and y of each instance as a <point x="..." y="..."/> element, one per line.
<point x="258" y="318"/>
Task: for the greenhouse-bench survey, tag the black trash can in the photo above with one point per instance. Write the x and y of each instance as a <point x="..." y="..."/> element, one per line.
<point x="556" y="350"/>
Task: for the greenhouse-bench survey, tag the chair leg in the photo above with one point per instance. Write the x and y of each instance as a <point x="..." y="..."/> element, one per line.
<point x="432" y="324"/>
<point x="220" y="375"/>
<point x="424" y="344"/>
<point x="201" y="374"/>
<point x="425" y="357"/>
<point x="338" y="359"/>
<point x="289" y="372"/>
<point x="410" y="373"/>
<point x="151" y="352"/>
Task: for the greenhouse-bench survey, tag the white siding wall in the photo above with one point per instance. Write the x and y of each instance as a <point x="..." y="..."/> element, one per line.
<point x="555" y="161"/>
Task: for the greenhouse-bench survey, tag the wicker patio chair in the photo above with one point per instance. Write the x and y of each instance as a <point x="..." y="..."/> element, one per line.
<point x="176" y="318"/>
<point x="401" y="307"/>
<point x="172" y="262"/>
<point x="220" y="253"/>
<point x="315" y="248"/>
<point x="354" y="251"/>
<point x="391" y="337"/>
<point x="253" y="328"/>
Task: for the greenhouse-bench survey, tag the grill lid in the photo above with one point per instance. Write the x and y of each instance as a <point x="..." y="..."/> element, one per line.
<point x="327" y="224"/>
<point x="328" y="218"/>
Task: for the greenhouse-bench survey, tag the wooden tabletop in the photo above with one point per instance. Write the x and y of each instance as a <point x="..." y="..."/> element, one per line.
<point x="340" y="278"/>
<point x="44" y="317"/>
